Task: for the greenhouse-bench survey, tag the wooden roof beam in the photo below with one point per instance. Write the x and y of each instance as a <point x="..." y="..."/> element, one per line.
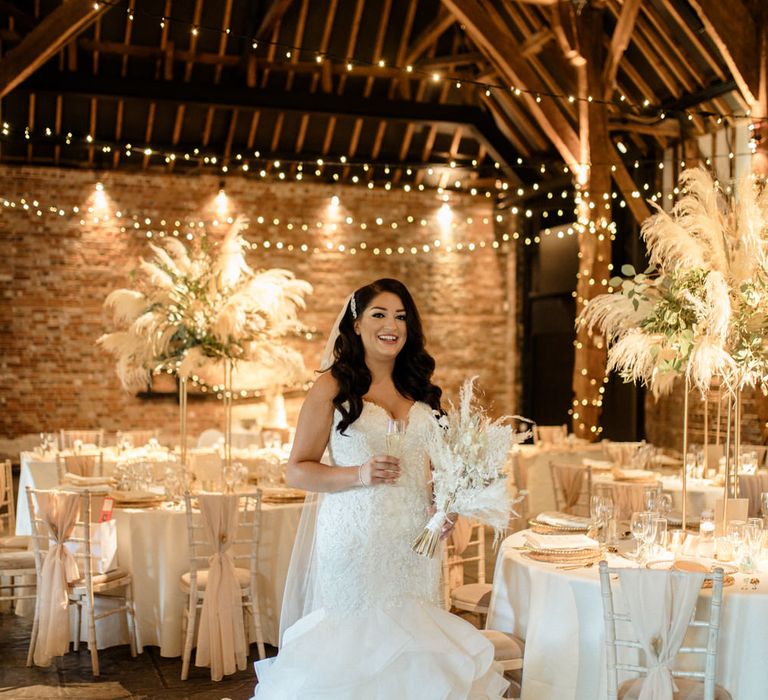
<point x="502" y="51"/>
<point x="429" y="36"/>
<point x="732" y="28"/>
<point x="667" y="128"/>
<point x="619" y="43"/>
<point x="63" y="24"/>
<point x="272" y="17"/>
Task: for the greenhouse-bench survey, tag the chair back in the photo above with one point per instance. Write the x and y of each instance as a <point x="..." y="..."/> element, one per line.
<point x="572" y="487"/>
<point x="245" y="546"/>
<point x="550" y="434"/>
<point x="209" y="437"/>
<point x="7" y="506"/>
<point x="136" y="438"/>
<point x="80" y="539"/>
<point x="464" y="556"/>
<point x="751" y="486"/>
<point x="68" y="438"/>
<point x="617" y="638"/>
<point x="83" y="465"/>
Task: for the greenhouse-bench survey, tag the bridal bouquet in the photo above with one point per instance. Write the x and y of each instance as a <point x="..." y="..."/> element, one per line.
<point x="468" y="453"/>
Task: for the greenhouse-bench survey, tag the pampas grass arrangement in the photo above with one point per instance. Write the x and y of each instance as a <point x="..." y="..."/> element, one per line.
<point x="195" y="307"/>
<point x="701" y="309"/>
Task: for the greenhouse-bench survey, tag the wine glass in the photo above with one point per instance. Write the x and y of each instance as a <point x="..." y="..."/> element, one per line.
<point x="229" y="476"/>
<point x="395" y="434"/>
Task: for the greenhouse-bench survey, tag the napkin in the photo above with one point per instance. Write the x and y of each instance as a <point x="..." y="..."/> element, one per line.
<point x="634" y="475"/>
<point x="558" y="519"/>
<point x="560" y="541"/>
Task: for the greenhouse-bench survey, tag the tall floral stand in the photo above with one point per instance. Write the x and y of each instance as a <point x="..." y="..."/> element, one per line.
<point x="228" y="395"/>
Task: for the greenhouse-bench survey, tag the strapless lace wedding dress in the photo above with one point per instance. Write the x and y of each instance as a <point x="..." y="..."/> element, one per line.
<point x="380" y="633"/>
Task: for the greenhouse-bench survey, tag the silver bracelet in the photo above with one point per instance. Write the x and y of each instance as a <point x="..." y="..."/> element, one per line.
<point x="360" y="475"/>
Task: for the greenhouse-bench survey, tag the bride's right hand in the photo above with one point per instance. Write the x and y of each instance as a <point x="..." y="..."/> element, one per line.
<point x="380" y="469"/>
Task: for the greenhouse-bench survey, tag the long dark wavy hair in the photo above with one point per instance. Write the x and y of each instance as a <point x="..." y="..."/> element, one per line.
<point x="414" y="366"/>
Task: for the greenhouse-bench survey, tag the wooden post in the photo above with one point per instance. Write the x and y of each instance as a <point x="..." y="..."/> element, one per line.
<point x="594" y="182"/>
<point x="759" y="111"/>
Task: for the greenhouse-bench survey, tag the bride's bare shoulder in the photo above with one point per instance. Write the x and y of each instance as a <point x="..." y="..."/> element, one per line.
<point x="325" y="388"/>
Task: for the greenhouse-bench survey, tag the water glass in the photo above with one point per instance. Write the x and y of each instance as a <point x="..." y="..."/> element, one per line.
<point x="639" y="525"/>
<point x="706" y="526"/>
<point x="677" y="542"/>
<point x="651" y="496"/>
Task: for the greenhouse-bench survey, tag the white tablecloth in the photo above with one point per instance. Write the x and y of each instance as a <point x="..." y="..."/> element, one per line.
<point x="701" y="494"/>
<point x="39" y="472"/>
<point x="152" y="545"/>
<point x="559" y="614"/>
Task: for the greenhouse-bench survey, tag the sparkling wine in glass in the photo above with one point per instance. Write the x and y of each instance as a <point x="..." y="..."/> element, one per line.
<point x="395" y="435"/>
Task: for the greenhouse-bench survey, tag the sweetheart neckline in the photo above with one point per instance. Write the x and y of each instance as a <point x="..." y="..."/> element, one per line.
<point x="407" y="418"/>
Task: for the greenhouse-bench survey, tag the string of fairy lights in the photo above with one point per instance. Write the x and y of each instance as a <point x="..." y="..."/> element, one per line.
<point x="343" y="169"/>
<point x="287" y="51"/>
<point x="269" y="230"/>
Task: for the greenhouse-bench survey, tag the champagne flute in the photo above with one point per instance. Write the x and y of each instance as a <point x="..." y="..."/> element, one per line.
<point x="735" y="534"/>
<point x="660" y="536"/>
<point x="638" y="524"/>
<point x="753" y="540"/>
<point x="395" y="435"/>
<point x="649" y="535"/>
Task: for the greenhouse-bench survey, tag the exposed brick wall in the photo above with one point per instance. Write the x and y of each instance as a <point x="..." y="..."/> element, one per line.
<point x="664" y="419"/>
<point x="55" y="273"/>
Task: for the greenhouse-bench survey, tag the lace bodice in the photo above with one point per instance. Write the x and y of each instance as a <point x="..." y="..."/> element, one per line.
<point x="364" y="535"/>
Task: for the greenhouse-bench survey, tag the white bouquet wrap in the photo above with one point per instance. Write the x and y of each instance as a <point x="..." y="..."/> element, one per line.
<point x="468" y="452"/>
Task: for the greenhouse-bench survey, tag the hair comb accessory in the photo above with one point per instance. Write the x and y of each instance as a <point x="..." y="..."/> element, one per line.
<point x="353" y="306"/>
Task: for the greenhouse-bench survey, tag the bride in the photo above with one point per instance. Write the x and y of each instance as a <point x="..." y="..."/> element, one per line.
<point x="361" y="616"/>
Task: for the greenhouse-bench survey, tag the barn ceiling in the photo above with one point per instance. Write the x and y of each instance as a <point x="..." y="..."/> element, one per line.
<point x="418" y="92"/>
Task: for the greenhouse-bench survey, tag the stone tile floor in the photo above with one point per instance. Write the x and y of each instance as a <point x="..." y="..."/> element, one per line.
<point x="148" y="676"/>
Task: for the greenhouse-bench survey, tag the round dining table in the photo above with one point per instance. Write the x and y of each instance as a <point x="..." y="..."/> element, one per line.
<point x="558" y="612"/>
<point x="152" y="546"/>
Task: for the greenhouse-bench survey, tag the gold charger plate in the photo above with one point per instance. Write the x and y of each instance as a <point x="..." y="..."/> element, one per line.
<point x="547" y="529"/>
<point x="282" y="495"/>
<point x="563" y="556"/>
